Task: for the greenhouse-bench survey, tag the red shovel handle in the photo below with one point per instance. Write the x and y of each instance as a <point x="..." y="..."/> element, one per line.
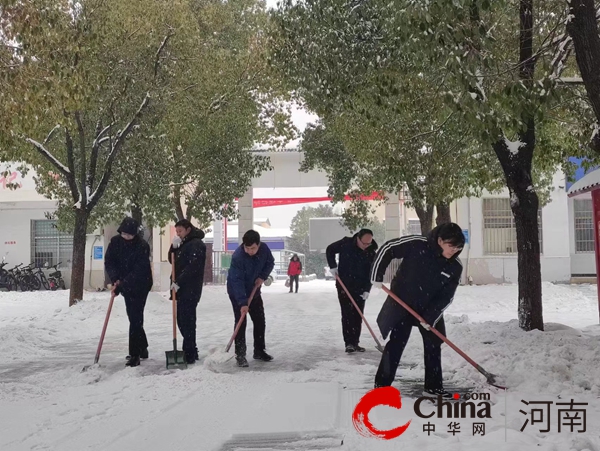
<point x="112" y="298"/>
<point x="239" y="323"/>
<point x="489" y="376"/>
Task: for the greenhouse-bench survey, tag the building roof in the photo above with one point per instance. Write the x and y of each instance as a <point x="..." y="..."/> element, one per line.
<point x="589" y="182"/>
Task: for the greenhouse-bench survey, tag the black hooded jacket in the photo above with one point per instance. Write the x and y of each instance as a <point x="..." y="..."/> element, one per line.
<point x="426" y="281"/>
<point x="354" y="263"/>
<point x="190" y="259"/>
<point x="129" y="261"/>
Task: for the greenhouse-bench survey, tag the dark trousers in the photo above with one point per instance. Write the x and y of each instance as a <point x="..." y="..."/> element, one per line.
<point x="257" y="313"/>
<point x="135" y="312"/>
<point x="395" y="347"/>
<point x="292" y="280"/>
<point x="351" y="320"/>
<point x="186" y="320"/>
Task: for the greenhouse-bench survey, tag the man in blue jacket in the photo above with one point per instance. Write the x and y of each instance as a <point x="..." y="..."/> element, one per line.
<point x="251" y="264"/>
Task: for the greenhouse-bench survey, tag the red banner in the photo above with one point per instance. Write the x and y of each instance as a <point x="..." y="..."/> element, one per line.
<point x="275" y="201"/>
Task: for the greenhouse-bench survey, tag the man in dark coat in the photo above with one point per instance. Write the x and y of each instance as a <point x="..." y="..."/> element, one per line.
<point x="190" y="258"/>
<point x="251" y="264"/>
<point x="426" y="281"/>
<point x="127" y="263"/>
<point x="355" y="257"/>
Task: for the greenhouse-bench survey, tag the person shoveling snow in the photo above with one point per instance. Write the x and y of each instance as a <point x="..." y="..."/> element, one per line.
<point x="251" y="264"/>
<point x="426" y="281"/>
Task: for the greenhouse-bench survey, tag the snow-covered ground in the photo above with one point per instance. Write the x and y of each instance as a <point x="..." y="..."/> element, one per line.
<point x="47" y="403"/>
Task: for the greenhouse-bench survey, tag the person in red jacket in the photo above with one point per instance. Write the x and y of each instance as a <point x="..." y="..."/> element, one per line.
<point x="294" y="271"/>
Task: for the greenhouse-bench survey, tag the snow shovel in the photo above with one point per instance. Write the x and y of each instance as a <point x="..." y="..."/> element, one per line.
<point x="110" y="304"/>
<point x="378" y="346"/>
<point x="218" y="358"/>
<point x="491" y="378"/>
<point x="175" y="358"/>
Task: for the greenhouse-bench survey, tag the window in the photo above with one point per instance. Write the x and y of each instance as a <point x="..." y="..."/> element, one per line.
<point x="584" y="225"/>
<point x="414" y="227"/>
<point x="499" y="231"/>
<point x="50" y="245"/>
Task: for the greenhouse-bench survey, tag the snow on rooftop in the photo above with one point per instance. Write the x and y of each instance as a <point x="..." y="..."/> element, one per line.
<point x="587" y="183"/>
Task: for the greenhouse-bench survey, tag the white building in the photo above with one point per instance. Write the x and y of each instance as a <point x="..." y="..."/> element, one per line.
<point x="567" y="243"/>
<point x="490" y="255"/>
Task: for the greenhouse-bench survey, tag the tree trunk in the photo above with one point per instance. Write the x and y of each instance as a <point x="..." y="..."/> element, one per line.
<point x="443" y="213"/>
<point x="516" y="160"/>
<point x="425" y="218"/>
<point x="177" y="203"/>
<point x="189" y="213"/>
<point x="524" y="204"/>
<point x="137" y="213"/>
<point x="583" y="29"/>
<point x="78" y="259"/>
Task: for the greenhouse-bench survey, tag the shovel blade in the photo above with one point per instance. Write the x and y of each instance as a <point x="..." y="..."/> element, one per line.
<point x="175" y="359"/>
<point x="218" y="361"/>
<point x="88" y="367"/>
<point x="492" y="379"/>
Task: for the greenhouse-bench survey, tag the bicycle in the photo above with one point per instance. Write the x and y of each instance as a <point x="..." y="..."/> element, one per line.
<point x="55" y="279"/>
<point x="7" y="279"/>
<point x="39" y="273"/>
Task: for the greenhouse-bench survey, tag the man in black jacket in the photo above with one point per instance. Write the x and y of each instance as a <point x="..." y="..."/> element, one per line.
<point x="190" y="258"/>
<point x="426" y="281"/>
<point x="355" y="257"/>
<point x="127" y="263"/>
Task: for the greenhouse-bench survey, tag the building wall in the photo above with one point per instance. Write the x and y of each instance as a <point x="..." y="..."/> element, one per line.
<point x="18" y="207"/>
<point x="15" y="228"/>
<point x="559" y="260"/>
<point x="15" y="240"/>
<point x="286" y="173"/>
<point x="406" y="214"/>
<point x="582" y="263"/>
<point x="556" y="250"/>
<point x="94" y="267"/>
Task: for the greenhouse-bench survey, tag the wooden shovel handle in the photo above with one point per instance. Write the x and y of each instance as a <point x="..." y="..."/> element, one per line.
<point x="239" y="323"/>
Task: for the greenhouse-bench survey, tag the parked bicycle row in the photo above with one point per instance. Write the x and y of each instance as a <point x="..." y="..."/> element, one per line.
<point x="31" y="278"/>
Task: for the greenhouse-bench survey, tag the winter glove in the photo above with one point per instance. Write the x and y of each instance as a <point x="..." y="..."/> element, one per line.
<point x="334" y="272"/>
<point x="176" y="242"/>
<point x="377" y="284"/>
<point x="425" y="326"/>
<point x="365" y="295"/>
<point x="175" y="287"/>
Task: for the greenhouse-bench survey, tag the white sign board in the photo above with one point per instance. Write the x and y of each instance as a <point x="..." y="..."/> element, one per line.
<point x="324" y="231"/>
